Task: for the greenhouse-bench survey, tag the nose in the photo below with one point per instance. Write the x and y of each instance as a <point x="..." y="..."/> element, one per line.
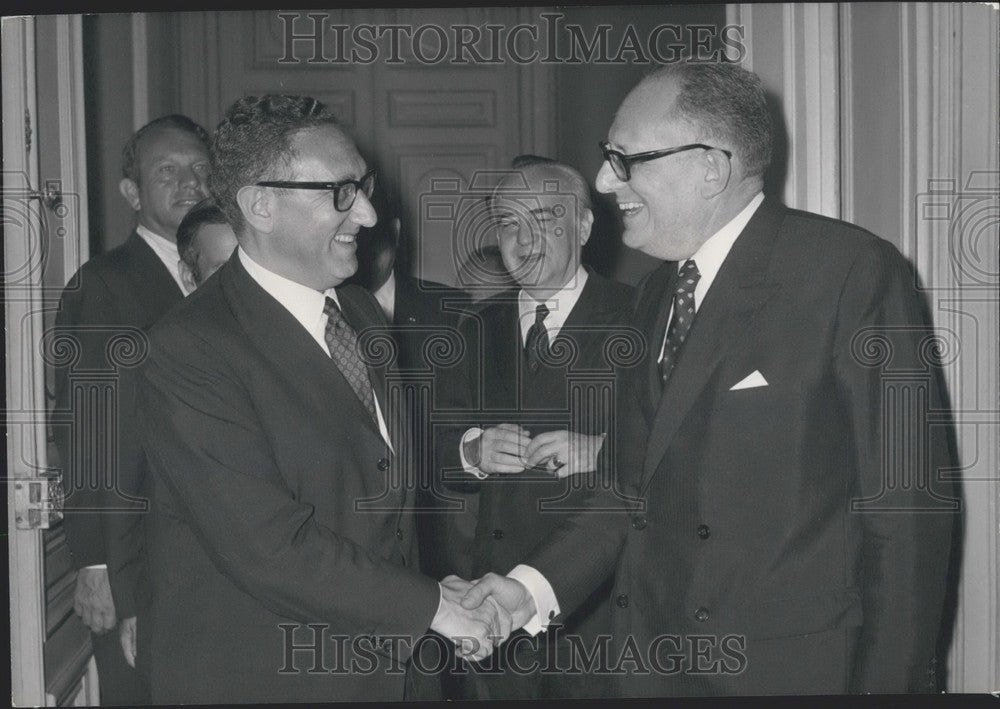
<point x="362" y="211"/>
<point x="527" y="234"/>
<point x="190" y="179"/>
<point x="607" y="181"/>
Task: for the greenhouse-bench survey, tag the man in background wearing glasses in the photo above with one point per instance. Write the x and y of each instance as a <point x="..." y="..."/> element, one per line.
<point x="283" y="563"/>
<point x="795" y="530"/>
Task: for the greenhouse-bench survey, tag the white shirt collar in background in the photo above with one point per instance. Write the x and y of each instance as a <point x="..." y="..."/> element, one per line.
<point x="560" y="305"/>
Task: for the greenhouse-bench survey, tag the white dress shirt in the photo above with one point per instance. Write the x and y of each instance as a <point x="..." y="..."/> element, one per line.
<point x="166" y="251"/>
<point x="712" y="254"/>
<point x="306" y="305"/>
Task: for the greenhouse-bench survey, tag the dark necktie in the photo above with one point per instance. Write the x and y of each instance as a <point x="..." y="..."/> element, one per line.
<point x="536" y="345"/>
<point x="682" y="318"/>
<point x="342" y="341"/>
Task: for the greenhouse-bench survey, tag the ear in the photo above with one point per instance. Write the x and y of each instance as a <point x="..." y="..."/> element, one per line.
<point x="187" y="277"/>
<point x="257" y="205"/>
<point x="130" y="191"/>
<point x="586" y="223"/>
<point x="718" y="170"/>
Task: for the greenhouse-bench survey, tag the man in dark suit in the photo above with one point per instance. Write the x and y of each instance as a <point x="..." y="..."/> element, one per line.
<point x="284" y="561"/>
<point x="112" y="299"/>
<point x="792" y="535"/>
<point x="535" y="371"/>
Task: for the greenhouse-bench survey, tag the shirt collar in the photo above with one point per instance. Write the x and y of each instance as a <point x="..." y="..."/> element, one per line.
<point x="560" y="304"/>
<point x="305" y="304"/>
<point x="713" y="252"/>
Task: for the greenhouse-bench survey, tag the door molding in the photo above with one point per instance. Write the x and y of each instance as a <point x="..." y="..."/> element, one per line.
<point x="25" y="380"/>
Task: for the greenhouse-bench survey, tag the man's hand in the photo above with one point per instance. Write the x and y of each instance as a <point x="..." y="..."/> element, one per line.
<point x="500" y="449"/>
<point x="474" y="630"/>
<point x="566" y="453"/>
<point x="509" y="593"/>
<point x="126" y="634"/>
<point x="92" y="600"/>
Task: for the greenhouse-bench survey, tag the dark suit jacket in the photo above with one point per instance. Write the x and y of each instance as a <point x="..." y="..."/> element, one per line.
<point x="275" y="504"/>
<point x="496" y="385"/>
<point x="425" y="322"/>
<point x="771" y="524"/>
<point x="106" y="309"/>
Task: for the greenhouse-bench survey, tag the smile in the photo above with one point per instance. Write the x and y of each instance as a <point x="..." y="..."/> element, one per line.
<point x="630" y="209"/>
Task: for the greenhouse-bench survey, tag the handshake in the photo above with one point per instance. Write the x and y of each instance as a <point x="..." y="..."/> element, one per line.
<point x="479" y="615"/>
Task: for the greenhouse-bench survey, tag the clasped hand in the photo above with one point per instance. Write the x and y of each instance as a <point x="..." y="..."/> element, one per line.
<point x="480" y="615"/>
<point x="510" y="449"/>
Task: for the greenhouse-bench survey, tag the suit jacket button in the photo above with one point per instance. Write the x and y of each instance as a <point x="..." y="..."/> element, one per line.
<point x="622" y="600"/>
<point x="703" y="531"/>
<point x="701" y="615"/>
<point x="639" y="523"/>
<point x="383" y="464"/>
<point x="498" y="534"/>
<point x="399" y="534"/>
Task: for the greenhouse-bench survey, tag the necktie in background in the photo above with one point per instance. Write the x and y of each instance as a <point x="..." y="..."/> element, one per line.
<point x="682" y="318"/>
<point x="536" y="344"/>
<point x="342" y="341"/>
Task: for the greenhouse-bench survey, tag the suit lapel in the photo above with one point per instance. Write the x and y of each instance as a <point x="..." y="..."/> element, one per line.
<point x="156" y="288"/>
<point x="283" y="340"/>
<point x="651" y="316"/>
<point x="740" y="290"/>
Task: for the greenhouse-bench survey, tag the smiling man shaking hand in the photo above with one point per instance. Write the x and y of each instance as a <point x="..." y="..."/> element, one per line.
<point x="271" y="582"/>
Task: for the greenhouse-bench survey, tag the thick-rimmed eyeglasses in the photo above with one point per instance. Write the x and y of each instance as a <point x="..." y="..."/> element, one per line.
<point x="621" y="164"/>
<point x="344" y="191"/>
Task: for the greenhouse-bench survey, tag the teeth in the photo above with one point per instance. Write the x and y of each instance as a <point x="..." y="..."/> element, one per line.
<point x="345" y="238"/>
<point x="629" y="206"/>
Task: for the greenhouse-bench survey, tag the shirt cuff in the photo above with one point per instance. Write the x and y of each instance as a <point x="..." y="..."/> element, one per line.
<point x="470" y="435"/>
<point x="97" y="566"/>
<point x="546" y="605"/>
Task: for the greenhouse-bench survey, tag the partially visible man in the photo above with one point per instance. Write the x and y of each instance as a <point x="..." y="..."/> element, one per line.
<point x="795" y="532"/>
<point x="536" y="373"/>
<point x="205" y="242"/>
<point x="285" y="556"/>
<point x="117" y="295"/>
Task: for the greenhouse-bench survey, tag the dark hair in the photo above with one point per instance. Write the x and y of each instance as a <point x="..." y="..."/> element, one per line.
<point x="254" y="141"/>
<point x="727" y="104"/>
<point x="130" y="153"/>
<point x="202" y="214"/>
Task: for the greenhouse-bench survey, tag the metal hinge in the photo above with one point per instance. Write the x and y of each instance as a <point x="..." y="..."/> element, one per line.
<point x="38" y="502"/>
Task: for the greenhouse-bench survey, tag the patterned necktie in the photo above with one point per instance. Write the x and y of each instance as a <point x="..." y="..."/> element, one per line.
<point x="536" y="344"/>
<point x="682" y="319"/>
<point x="342" y="341"/>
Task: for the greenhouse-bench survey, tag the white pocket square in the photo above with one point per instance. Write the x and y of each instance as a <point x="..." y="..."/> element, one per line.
<point x="756" y="379"/>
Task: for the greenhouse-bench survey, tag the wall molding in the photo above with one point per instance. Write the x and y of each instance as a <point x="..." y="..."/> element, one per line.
<point x="25" y="383"/>
<point x="140" y="71"/>
<point x="72" y="138"/>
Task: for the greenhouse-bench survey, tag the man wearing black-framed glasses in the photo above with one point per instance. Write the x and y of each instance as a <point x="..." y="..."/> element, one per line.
<point x="281" y="473"/>
<point x="791" y="539"/>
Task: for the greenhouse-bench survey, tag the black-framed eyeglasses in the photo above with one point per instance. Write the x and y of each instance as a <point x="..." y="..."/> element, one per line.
<point x="344" y="191"/>
<point x="621" y="163"/>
